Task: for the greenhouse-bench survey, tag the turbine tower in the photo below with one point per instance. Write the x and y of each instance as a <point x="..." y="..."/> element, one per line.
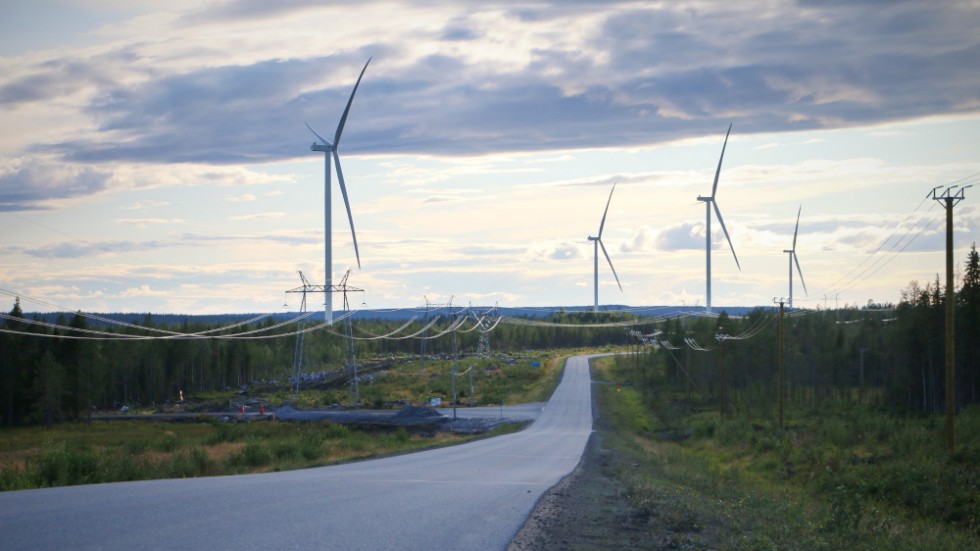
<point x="597" y="243"/>
<point x="329" y="149"/>
<point x="795" y="259"/>
<point x="709" y="202"/>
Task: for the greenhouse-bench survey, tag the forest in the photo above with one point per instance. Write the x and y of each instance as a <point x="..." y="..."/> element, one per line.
<point x="892" y="355"/>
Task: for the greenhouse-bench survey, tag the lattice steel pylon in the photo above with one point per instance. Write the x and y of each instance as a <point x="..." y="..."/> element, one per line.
<point x="351" y="347"/>
<point x="306" y="287"/>
<point x="484" y="326"/>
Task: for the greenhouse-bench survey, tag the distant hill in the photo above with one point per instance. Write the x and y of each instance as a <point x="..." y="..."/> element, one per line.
<point x="530" y="312"/>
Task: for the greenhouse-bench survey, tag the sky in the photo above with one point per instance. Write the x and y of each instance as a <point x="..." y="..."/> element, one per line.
<point x="154" y="157"/>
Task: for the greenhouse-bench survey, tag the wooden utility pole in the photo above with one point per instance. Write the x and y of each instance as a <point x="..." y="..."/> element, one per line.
<point x="948" y="199"/>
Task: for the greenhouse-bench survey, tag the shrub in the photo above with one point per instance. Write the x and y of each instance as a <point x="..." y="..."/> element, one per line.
<point x="735" y="432"/>
<point x="223" y="432"/>
<point x="254" y="454"/>
<point x="13" y="479"/>
<point x="190" y="464"/>
<point x="704" y="426"/>
<point x="169" y="443"/>
<point x="63" y="465"/>
<point x="122" y="467"/>
<point x="336" y="431"/>
<point x="311" y="445"/>
<point x="285" y="449"/>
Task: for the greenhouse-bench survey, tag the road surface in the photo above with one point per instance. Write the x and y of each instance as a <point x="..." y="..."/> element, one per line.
<point x="471" y="496"/>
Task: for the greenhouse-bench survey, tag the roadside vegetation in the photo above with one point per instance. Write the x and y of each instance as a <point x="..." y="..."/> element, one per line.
<point x="842" y="475"/>
<point x="113" y="451"/>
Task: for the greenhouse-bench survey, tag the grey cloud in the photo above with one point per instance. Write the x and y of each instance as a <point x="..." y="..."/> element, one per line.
<point x="36" y="181"/>
<point x="78" y="249"/>
<point x="684" y="236"/>
<point x="489" y="251"/>
<point x="51" y="79"/>
<point x="217" y="12"/>
<point x="565" y="251"/>
<point x="81" y="248"/>
<point x="643" y="239"/>
<point x="284" y="239"/>
<point x="677" y="74"/>
<point x="459" y="31"/>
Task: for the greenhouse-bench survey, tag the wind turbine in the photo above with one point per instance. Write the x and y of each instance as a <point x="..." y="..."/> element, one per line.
<point x="597" y="243"/>
<point x="329" y="149"/>
<point x="710" y="201"/>
<point x="795" y="259"/>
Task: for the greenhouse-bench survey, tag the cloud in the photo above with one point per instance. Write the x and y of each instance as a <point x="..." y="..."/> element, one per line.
<point x="142" y="205"/>
<point x="143" y="291"/>
<point x="644" y="239"/>
<point x="33" y="184"/>
<point x="247" y="197"/>
<point x="684" y="236"/>
<point x="79" y="249"/>
<point x="553" y="250"/>
<point x="257" y="216"/>
<point x="144" y="222"/>
<point x="626" y="76"/>
<point x="283" y="239"/>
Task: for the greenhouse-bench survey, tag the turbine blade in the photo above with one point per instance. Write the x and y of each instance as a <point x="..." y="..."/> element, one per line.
<point x="714" y="187"/>
<point x="796" y="259"/>
<point x="603" y="223"/>
<point x="317" y="134"/>
<point x="724" y="229"/>
<point x="609" y="260"/>
<point x="350" y="217"/>
<point x="343" y="119"/>
<point x="797" y="227"/>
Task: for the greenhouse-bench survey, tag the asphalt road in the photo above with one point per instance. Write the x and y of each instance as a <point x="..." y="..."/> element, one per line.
<point x="473" y="497"/>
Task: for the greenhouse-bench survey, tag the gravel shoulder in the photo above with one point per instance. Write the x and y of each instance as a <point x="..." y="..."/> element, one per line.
<point x="580" y="511"/>
<point x="590" y="509"/>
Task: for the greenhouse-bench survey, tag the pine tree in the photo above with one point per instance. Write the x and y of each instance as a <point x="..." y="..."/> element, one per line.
<point x="48" y="389"/>
<point x="968" y="329"/>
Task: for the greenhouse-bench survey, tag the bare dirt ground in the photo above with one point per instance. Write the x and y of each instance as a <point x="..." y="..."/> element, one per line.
<point x="590" y="510"/>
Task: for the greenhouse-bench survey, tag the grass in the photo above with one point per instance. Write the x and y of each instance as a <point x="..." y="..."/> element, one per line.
<point x="845" y="477"/>
<point x="417" y="382"/>
<point x="73" y="454"/>
<point x="111" y="451"/>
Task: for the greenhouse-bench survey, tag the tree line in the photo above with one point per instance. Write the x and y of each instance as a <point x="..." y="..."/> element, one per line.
<point x="891" y="354"/>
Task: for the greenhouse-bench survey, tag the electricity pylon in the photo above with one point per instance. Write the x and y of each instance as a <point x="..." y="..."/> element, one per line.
<point x="306" y="287"/>
<point x="483" y="326"/>
<point x="351" y="347"/>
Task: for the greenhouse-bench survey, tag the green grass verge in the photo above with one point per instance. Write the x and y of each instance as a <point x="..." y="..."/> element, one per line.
<point x="843" y="478"/>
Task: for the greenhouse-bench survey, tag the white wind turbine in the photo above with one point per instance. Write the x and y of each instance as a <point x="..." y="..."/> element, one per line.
<point x="795" y="259"/>
<point x="597" y="243"/>
<point x="329" y="149"/>
<point x="708" y="203"/>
